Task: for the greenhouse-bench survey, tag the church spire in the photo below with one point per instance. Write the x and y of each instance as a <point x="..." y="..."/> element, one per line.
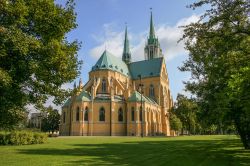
<point x="152" y="30"/>
<point x="126" y="55"/>
<point x="152" y="49"/>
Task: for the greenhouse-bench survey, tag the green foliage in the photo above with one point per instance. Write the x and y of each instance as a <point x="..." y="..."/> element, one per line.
<point x="35" y="57"/>
<point x="185" y="109"/>
<point x="212" y="129"/>
<point x="196" y="119"/>
<point x="219" y="46"/>
<point x="39" y="138"/>
<point x="22" y="138"/>
<point x="52" y="121"/>
<point x="4" y="138"/>
<point x="175" y="122"/>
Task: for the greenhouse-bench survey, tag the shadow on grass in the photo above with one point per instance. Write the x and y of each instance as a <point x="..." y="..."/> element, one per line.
<point x="173" y="152"/>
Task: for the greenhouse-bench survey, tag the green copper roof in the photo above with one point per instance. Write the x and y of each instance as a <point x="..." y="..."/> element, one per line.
<point x="152" y="30"/>
<point x="152" y="39"/>
<point x="152" y="101"/>
<point x="107" y="61"/>
<point x="126" y="55"/>
<point x="136" y="97"/>
<point x="67" y="103"/>
<point x="83" y="96"/>
<point x="146" y="68"/>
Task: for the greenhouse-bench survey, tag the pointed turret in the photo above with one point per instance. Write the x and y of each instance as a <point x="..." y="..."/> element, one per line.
<point x="80" y="83"/>
<point x="126" y="55"/>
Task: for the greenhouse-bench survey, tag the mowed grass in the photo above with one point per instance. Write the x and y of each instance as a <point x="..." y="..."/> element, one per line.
<point x="183" y="151"/>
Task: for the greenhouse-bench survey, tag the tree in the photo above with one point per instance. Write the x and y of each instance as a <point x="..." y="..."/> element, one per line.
<point x="219" y="54"/>
<point x="175" y="122"/>
<point x="186" y="109"/>
<point x="52" y="121"/>
<point x="35" y="57"/>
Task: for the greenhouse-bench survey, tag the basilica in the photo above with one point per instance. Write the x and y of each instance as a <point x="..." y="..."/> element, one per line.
<point x="121" y="97"/>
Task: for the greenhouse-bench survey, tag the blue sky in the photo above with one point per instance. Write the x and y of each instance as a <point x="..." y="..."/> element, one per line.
<point x="102" y="22"/>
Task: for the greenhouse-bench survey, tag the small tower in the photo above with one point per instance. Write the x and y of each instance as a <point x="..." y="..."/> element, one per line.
<point x="152" y="48"/>
<point x="80" y="83"/>
<point x="126" y="55"/>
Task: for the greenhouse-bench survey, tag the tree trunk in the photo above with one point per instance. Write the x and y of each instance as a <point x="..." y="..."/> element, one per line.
<point x="189" y="128"/>
<point x="243" y="130"/>
<point x="245" y="138"/>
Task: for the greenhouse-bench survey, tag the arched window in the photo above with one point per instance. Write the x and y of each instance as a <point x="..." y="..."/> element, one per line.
<point x="151" y="91"/>
<point x="86" y="114"/>
<point x="151" y="53"/>
<point x="120" y="115"/>
<point x="102" y="114"/>
<point x="132" y="114"/>
<point x="104" y="85"/>
<point x="64" y="117"/>
<point x="140" y="114"/>
<point x="77" y="114"/>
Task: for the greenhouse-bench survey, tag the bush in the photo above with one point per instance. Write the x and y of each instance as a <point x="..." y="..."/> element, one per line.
<point x="39" y="138"/>
<point x="4" y="138"/>
<point x="22" y="138"/>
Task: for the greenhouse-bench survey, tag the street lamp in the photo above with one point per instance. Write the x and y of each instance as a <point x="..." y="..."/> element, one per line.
<point x="141" y="114"/>
<point x="111" y="88"/>
<point x="83" y="120"/>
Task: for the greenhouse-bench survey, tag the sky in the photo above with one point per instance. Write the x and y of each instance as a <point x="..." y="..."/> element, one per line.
<point x="101" y="23"/>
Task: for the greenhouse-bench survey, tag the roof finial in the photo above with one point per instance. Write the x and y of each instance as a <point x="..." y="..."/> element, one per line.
<point x="80" y="83"/>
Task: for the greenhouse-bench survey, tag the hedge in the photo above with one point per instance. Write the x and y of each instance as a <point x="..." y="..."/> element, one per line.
<point x="22" y="138"/>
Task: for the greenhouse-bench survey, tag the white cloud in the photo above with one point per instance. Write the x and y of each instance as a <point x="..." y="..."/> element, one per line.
<point x="111" y="40"/>
<point x="168" y="37"/>
<point x="188" y="20"/>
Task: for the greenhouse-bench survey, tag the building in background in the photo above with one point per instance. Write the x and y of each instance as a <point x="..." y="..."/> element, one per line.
<point x="122" y="97"/>
<point x="36" y="119"/>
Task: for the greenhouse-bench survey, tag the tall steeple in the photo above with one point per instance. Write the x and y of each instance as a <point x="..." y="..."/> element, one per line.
<point x="126" y="55"/>
<point x="152" y="49"/>
<point x="152" y="30"/>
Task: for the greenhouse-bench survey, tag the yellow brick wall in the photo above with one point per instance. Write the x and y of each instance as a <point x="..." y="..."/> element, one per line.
<point x="155" y="117"/>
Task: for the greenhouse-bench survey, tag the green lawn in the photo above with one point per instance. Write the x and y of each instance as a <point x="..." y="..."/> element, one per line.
<point x="183" y="151"/>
